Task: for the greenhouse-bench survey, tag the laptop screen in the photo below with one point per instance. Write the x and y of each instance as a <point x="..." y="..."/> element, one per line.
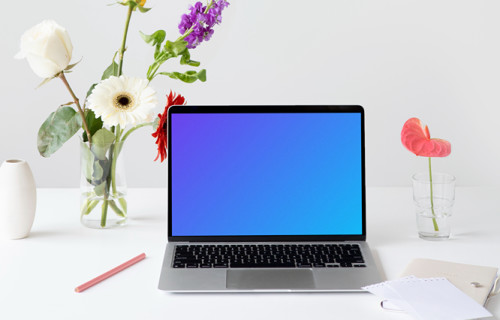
<point x="260" y="174"/>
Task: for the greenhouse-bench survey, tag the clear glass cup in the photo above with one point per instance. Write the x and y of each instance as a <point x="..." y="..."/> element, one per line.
<point x="433" y="204"/>
<point x="103" y="187"/>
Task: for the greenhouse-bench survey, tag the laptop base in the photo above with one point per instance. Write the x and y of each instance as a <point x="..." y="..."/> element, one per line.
<point x="267" y="279"/>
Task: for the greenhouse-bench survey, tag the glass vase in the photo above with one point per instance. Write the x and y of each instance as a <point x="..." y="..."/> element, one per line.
<point x="433" y="204"/>
<point x="102" y="185"/>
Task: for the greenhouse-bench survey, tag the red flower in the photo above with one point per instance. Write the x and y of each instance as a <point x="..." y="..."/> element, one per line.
<point x="418" y="140"/>
<point x="161" y="133"/>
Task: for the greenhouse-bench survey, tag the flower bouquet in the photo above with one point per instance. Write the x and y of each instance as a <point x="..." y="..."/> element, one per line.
<point x="115" y="106"/>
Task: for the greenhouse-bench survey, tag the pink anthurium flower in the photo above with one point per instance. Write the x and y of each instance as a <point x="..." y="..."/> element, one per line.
<point x="417" y="139"/>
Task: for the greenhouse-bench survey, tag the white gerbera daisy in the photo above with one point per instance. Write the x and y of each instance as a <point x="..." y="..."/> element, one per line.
<point x="123" y="100"/>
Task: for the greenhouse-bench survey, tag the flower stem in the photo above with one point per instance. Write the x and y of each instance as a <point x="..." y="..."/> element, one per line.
<point x="116" y="152"/>
<point x="124" y="40"/>
<point x="434" y="222"/>
<point x="77" y="103"/>
<point x="125" y="136"/>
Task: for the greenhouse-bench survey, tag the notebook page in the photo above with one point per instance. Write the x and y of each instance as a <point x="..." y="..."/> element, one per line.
<point x="437" y="298"/>
<point x="387" y="293"/>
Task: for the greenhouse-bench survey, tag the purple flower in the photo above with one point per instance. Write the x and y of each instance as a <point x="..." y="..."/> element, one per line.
<point x="201" y="23"/>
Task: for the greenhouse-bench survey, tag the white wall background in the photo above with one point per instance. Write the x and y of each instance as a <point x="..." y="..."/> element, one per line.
<point x="438" y="60"/>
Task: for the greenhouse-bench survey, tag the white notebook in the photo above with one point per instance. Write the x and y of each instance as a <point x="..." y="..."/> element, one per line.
<point x="475" y="281"/>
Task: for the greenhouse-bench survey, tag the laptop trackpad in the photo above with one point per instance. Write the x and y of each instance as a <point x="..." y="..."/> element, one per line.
<point x="270" y="279"/>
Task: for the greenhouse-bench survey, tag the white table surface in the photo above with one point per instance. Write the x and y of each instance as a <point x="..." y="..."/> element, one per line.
<point x="38" y="274"/>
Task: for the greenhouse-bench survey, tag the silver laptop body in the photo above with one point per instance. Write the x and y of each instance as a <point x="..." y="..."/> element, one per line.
<point x="256" y="180"/>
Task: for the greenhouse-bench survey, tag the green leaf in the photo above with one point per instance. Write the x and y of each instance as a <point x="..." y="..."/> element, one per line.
<point x="87" y="162"/>
<point x="71" y="66"/>
<point x="143" y="10"/>
<point x="156" y="123"/>
<point x="45" y="81"/>
<point x="89" y="92"/>
<point x="153" y="68"/>
<point x="123" y="203"/>
<point x="101" y="141"/>
<point x="155" y="38"/>
<point x="67" y="104"/>
<point x="98" y="173"/>
<point x="115" y="208"/>
<point x="186" y="59"/>
<point x="99" y="189"/>
<point x="130" y="3"/>
<point x="188" y="76"/>
<point x="175" y="48"/>
<point x="94" y="123"/>
<point x="61" y="125"/>
<point x="112" y="70"/>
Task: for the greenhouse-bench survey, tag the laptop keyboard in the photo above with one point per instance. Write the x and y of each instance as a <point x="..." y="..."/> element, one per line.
<point x="268" y="256"/>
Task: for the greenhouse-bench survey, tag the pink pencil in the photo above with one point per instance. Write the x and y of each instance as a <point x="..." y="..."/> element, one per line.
<point x="111" y="272"/>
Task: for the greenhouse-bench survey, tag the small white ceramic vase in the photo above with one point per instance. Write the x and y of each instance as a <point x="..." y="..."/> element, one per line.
<point x="17" y="199"/>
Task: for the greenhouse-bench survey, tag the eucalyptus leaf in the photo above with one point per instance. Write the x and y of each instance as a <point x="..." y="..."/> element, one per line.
<point x="100" y="189"/>
<point x="87" y="162"/>
<point x="188" y="76"/>
<point x="98" y="173"/>
<point x="94" y="124"/>
<point x="101" y="142"/>
<point x="61" y="125"/>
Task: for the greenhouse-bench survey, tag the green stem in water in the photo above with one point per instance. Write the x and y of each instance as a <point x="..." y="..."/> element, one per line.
<point x="115" y="208"/>
<point x="110" y="179"/>
<point x="434" y="222"/>
<point x="124" y="40"/>
<point x="116" y="152"/>
<point x="89" y="206"/>
<point x="104" y="212"/>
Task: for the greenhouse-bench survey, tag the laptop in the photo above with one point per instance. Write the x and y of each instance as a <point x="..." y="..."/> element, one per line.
<point x="266" y="198"/>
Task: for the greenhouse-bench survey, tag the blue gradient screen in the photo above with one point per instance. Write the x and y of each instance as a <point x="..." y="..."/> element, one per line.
<point x="256" y="174"/>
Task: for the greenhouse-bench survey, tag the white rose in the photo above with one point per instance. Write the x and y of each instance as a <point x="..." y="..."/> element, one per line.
<point x="47" y="47"/>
